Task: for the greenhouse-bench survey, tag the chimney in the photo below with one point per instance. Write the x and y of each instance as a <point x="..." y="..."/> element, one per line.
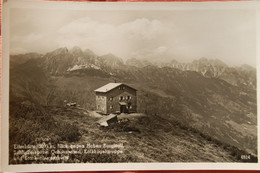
<point x="115" y="80"/>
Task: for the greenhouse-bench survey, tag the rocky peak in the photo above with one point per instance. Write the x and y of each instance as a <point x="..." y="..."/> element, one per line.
<point x="209" y="62"/>
<point x="247" y="67"/>
<point x="111" y="60"/>
<point x="134" y="62"/>
<point x="59" y="51"/>
<point x="76" y="50"/>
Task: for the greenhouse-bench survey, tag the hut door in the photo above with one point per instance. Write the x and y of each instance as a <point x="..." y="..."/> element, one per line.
<point x="122" y="108"/>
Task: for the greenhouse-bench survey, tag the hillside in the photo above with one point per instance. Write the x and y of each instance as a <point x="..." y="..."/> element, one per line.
<point x="212" y="108"/>
<point x="142" y="138"/>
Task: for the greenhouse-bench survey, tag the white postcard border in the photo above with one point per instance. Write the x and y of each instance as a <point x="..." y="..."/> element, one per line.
<point x="111" y="6"/>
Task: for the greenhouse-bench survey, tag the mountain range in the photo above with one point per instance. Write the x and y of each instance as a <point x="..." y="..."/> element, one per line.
<point x="62" y="60"/>
<point x="205" y="94"/>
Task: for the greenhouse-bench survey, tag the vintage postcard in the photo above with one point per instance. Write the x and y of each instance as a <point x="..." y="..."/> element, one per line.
<point x="134" y="86"/>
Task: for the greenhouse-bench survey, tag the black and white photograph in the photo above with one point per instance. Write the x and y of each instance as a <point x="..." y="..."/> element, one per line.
<point x="132" y="85"/>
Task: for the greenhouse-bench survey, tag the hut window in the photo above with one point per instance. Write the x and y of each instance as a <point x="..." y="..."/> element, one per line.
<point x="111" y="98"/>
<point x="121" y="98"/>
<point x="111" y="106"/>
<point x="130" y="107"/>
<point x="128" y="97"/>
<point x="123" y="87"/>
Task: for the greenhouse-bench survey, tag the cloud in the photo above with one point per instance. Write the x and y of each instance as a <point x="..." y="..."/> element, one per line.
<point x="18" y="50"/>
<point x="119" y="39"/>
<point x="161" y="52"/>
<point x="166" y="34"/>
<point x="32" y="38"/>
<point x="161" y="49"/>
<point x="84" y="26"/>
<point x="143" y="29"/>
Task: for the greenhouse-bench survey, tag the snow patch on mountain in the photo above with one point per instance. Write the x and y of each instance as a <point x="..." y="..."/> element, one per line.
<point x="80" y="67"/>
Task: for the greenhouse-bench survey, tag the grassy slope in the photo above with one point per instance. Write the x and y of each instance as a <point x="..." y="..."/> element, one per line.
<point x="145" y="139"/>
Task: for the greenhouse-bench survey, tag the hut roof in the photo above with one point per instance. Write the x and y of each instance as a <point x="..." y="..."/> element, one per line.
<point x="109" y="87"/>
<point x="106" y="118"/>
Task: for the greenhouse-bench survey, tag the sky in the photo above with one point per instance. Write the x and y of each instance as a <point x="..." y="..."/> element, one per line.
<point x="183" y="35"/>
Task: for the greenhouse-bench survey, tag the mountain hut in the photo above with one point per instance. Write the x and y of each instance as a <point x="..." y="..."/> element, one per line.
<point x="116" y="98"/>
